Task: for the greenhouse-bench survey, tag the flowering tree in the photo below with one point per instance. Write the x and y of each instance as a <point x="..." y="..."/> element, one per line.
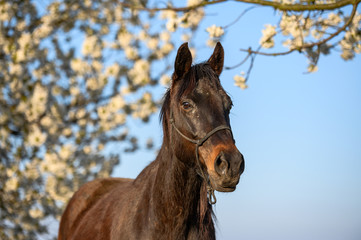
<point x="73" y="72"/>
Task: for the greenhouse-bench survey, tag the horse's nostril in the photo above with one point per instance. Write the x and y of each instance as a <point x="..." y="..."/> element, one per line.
<point x="221" y="165"/>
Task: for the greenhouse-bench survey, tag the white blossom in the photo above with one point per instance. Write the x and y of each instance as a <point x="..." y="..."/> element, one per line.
<point x="164" y="36"/>
<point x="185" y="37"/>
<point x="165" y="80"/>
<point x="168" y="14"/>
<point x="36" y="213"/>
<point x="104" y="112"/>
<point x="66" y="151"/>
<point x="97" y="66"/>
<point x="312" y="68"/>
<point x="11" y="184"/>
<point x="144" y="107"/>
<point x="46" y="121"/>
<point x="139" y="73"/>
<point x="211" y="43"/>
<point x="268" y="33"/>
<point x="87" y="149"/>
<point x="91" y="46"/>
<point x="192" y="18"/>
<point x="142" y="35"/>
<point x="172" y="25"/>
<point x="67" y="132"/>
<point x="15" y="69"/>
<point x="116" y="103"/>
<point x="79" y="66"/>
<point x="32" y="171"/>
<point x="166" y="48"/>
<point x="152" y="43"/>
<point x="25" y="40"/>
<point x="4" y="134"/>
<point x="74" y="90"/>
<point x="94" y="84"/>
<point x="3" y="118"/>
<point x="240" y="81"/>
<point x="36" y="137"/>
<point x="88" y="44"/>
<point x="124" y="39"/>
<point x="119" y="119"/>
<point x="5" y="10"/>
<point x="131" y="53"/>
<point x="215" y="31"/>
<point x="333" y="19"/>
<point x="45" y="28"/>
<point x="193" y="2"/>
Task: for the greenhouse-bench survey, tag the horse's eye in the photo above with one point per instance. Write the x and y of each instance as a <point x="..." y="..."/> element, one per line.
<point x="186" y="105"/>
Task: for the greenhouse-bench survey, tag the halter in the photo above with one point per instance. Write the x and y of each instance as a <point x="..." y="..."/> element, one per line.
<point x="199" y="142"/>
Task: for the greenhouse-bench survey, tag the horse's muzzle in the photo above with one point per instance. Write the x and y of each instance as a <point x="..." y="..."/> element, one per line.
<point x="228" y="166"/>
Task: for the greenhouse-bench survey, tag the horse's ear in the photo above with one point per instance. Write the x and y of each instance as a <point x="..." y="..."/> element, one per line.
<point x="217" y="59"/>
<point x="183" y="61"/>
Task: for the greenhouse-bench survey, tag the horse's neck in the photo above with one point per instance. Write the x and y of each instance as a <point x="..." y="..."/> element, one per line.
<point x="175" y="198"/>
<point x="178" y="194"/>
<point x="177" y="182"/>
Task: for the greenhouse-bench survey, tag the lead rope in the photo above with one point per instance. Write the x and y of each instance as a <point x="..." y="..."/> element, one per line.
<point x="210" y="191"/>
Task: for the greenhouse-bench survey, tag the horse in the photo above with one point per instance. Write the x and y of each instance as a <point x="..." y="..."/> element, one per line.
<point x="172" y="197"/>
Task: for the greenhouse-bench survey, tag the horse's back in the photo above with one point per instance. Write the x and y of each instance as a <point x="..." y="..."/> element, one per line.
<point x="84" y="199"/>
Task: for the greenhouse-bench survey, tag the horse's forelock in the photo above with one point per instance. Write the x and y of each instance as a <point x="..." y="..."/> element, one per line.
<point x="191" y="79"/>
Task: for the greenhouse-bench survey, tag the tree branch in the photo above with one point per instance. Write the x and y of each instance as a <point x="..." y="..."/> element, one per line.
<point x="275" y="5"/>
<point x="302" y="7"/>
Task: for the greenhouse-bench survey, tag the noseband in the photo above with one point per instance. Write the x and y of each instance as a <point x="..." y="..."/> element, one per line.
<point x="199" y="142"/>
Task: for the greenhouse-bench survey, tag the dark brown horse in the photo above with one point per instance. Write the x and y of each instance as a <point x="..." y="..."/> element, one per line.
<point x="171" y="198"/>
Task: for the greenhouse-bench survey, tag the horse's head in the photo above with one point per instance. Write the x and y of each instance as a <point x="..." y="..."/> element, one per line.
<point x="198" y="119"/>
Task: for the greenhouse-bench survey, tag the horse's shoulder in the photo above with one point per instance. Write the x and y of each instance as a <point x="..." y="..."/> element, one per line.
<point x="95" y="189"/>
<point x="87" y="196"/>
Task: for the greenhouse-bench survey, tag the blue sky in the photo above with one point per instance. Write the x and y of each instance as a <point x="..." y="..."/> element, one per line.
<point x="300" y="135"/>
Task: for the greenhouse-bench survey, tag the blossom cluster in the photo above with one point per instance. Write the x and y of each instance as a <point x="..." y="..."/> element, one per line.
<point x="215" y="34"/>
<point x="306" y="31"/>
<point x="72" y="75"/>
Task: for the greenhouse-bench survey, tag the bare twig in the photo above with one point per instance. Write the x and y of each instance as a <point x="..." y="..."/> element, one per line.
<point x="268" y="54"/>
<point x="253" y="58"/>
<point x="243" y="61"/>
<point x="239" y="17"/>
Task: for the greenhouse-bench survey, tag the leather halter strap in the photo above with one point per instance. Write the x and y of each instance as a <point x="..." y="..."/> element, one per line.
<point x="199" y="142"/>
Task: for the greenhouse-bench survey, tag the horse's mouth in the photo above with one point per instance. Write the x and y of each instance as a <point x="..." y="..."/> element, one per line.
<point x="225" y="189"/>
<point x="221" y="186"/>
